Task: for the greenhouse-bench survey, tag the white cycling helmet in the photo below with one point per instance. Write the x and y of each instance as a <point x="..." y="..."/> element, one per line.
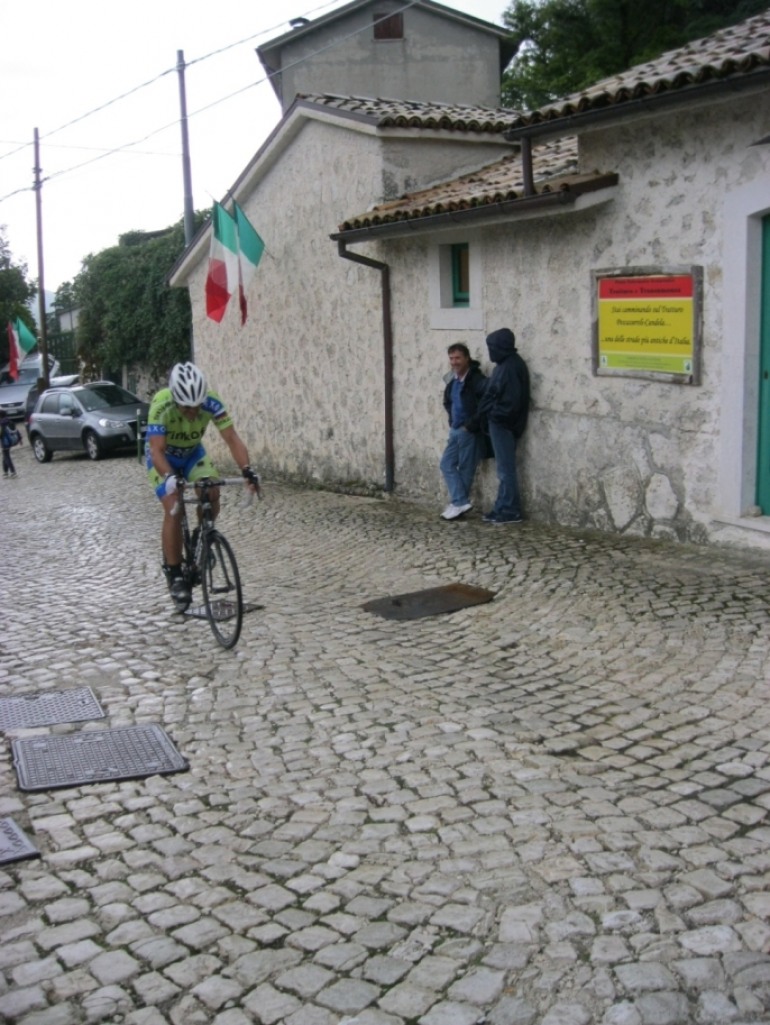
<point x="187" y="384"/>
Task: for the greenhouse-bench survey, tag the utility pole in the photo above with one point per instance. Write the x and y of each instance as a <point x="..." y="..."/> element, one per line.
<point x="189" y="217"/>
<point x="38" y="187"/>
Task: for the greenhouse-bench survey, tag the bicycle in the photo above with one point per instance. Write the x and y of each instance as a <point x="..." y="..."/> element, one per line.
<point x="209" y="561"/>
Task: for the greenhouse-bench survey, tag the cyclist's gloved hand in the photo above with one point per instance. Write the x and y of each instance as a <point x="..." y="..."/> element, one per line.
<point x="168" y="486"/>
<point x="251" y="478"/>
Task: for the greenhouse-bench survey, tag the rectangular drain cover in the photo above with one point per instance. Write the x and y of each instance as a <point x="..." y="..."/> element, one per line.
<point x="48" y="708"/>
<point x="432" y="602"/>
<point x="222" y="610"/>
<point x="14" y="845"/>
<point x="94" y="756"/>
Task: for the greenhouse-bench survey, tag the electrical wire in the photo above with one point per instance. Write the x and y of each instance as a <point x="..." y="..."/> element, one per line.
<point x="172" y="124"/>
<point x="156" y="78"/>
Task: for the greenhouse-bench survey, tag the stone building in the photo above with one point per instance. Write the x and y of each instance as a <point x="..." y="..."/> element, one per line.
<point x="367" y="207"/>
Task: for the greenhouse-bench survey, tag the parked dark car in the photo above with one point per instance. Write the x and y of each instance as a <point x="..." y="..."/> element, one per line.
<point x="99" y="417"/>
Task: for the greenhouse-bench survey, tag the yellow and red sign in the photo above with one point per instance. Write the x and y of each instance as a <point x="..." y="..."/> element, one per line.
<point x="646" y="323"/>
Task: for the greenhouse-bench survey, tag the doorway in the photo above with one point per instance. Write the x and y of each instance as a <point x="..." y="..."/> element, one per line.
<point x="763" y="445"/>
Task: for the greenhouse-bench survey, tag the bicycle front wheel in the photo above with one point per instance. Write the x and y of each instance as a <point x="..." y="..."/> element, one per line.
<point x="222" y="594"/>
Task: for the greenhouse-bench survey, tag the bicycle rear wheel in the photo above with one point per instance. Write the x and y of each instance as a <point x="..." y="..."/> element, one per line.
<point x="222" y="594"/>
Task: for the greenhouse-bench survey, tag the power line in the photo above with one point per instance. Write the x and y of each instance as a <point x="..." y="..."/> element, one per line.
<point x="156" y="78"/>
<point x="173" y="124"/>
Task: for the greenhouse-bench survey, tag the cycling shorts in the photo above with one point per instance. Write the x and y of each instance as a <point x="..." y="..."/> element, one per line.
<point x="193" y="466"/>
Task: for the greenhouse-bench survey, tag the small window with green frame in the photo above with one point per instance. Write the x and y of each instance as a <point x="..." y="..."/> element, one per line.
<point x="461" y="289"/>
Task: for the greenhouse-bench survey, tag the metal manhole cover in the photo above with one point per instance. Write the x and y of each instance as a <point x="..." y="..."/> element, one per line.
<point x="94" y="756"/>
<point x="14" y="844"/>
<point x="48" y="708"/>
<point x="222" y="610"/>
<point x="432" y="602"/>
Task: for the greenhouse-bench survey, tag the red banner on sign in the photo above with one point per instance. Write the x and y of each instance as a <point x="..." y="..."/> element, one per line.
<point x="668" y="287"/>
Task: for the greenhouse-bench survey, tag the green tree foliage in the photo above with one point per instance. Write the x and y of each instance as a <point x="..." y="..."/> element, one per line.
<point x="566" y="45"/>
<point x="15" y="292"/>
<point x="127" y="314"/>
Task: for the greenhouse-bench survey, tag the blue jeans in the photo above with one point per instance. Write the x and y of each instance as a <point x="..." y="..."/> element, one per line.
<point x="508" y="502"/>
<point x="458" y="463"/>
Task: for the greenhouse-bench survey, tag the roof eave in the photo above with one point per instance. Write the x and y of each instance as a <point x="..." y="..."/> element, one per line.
<point x="278" y="42"/>
<point x="571" y="124"/>
<point x="505" y="209"/>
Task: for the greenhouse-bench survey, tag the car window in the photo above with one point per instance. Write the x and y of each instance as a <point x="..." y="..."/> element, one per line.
<point x="102" y="396"/>
<point x="50" y="404"/>
<point x="67" y="403"/>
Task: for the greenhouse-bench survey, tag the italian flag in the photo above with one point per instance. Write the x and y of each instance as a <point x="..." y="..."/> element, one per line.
<point x="222" y="279"/>
<point x="250" y="250"/>
<point x="21" y="341"/>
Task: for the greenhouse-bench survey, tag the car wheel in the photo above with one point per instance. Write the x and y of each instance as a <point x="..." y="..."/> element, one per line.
<point x="93" y="445"/>
<point x="41" y="451"/>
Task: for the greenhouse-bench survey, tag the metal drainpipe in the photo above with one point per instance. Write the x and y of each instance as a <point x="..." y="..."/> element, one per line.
<point x="526" y="166"/>
<point x="387" y="339"/>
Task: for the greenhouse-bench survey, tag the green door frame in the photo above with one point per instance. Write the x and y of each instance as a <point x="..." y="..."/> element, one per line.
<point x="763" y="443"/>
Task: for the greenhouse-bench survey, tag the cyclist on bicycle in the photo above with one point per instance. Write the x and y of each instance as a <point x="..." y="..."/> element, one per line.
<point x="177" y="421"/>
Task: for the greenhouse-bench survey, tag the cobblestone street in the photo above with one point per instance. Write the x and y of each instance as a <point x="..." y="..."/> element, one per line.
<point x="550" y="809"/>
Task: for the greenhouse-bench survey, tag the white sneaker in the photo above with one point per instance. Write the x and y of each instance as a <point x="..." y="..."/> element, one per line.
<point x="453" y="511"/>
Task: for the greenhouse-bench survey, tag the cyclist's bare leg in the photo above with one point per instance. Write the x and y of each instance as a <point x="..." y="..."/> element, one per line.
<point x="171" y="532"/>
<point x="214" y="499"/>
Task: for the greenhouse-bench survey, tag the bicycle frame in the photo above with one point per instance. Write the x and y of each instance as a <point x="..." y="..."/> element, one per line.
<point x="209" y="561"/>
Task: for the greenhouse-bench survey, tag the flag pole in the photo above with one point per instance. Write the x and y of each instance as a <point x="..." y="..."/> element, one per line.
<point x="43" y="341"/>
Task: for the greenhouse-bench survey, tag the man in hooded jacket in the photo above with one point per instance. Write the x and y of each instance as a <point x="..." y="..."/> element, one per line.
<point x="505" y="405"/>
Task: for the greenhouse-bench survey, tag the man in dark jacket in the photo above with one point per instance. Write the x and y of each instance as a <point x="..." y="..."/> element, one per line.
<point x="465" y="443"/>
<point x="506" y="406"/>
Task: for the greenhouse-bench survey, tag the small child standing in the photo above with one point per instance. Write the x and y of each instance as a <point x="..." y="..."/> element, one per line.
<point x="9" y="436"/>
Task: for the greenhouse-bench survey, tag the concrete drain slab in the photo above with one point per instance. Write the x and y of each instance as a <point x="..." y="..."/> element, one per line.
<point x="94" y="756"/>
<point x="14" y="844"/>
<point x="48" y="708"/>
<point x="222" y="610"/>
<point x="432" y="602"/>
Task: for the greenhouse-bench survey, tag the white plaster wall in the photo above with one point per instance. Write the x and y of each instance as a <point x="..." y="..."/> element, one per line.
<point x="303" y="376"/>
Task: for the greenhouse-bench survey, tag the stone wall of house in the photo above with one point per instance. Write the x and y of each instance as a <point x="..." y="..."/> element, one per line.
<point x="439" y="59"/>
<point x="304" y="375"/>
<point x="618" y="454"/>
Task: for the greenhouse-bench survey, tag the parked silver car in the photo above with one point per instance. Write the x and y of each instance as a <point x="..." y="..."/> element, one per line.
<point x="13" y="394"/>
<point x="98" y="417"/>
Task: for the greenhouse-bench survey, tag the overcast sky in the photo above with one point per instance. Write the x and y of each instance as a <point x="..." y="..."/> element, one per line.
<point x="62" y="60"/>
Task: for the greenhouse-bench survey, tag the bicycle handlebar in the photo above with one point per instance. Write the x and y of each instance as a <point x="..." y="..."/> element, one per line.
<point x="209" y="482"/>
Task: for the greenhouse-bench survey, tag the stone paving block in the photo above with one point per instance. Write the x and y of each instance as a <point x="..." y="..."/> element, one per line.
<point x="269" y="1005"/>
<point x="664" y="1008"/>
<point x="408" y="1001"/>
<point x="644" y="976"/>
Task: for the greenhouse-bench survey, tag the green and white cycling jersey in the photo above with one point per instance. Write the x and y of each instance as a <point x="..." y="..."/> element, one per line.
<point x="182" y="434"/>
<point x="184" y="438"/>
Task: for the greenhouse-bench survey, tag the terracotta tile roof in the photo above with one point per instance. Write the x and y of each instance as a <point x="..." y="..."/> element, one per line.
<point x="384" y="113"/>
<point x="554" y="170"/>
<point x="730" y="53"/>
